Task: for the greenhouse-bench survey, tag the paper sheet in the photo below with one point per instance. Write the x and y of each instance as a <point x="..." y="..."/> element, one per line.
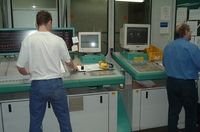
<point x="194" y="14"/>
<point x="165" y="13"/>
<point x="89" y="67"/>
<point x="62" y="67"/>
<point x="193" y="27"/>
<point x="181" y="16"/>
<point x="147" y="83"/>
<point x="197" y="41"/>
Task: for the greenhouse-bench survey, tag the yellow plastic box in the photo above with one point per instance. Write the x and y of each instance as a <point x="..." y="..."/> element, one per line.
<point x="154" y="53"/>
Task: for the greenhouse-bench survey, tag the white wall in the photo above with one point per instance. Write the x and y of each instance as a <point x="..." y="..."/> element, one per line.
<point x="1" y="23"/>
<point x="157" y="39"/>
<point x="26" y="18"/>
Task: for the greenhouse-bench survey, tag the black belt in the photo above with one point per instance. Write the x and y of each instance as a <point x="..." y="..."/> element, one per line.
<point x="189" y="80"/>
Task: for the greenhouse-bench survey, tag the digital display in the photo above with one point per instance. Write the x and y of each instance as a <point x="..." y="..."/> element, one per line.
<point x="10" y="40"/>
<point x="137" y="35"/>
<point x="66" y="35"/>
<point x="89" y="41"/>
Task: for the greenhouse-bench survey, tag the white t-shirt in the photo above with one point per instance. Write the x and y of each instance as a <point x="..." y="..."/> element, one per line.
<point x="43" y="52"/>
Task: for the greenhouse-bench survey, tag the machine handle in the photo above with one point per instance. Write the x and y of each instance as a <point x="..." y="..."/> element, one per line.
<point x="9" y="108"/>
<point x="147" y="95"/>
<point x="101" y="99"/>
<point x="49" y="104"/>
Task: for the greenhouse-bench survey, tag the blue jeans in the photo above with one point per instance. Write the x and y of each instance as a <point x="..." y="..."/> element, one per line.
<point x="182" y="93"/>
<point x="41" y="92"/>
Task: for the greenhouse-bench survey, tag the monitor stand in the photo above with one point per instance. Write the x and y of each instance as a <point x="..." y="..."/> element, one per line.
<point x="134" y="55"/>
<point x="91" y="58"/>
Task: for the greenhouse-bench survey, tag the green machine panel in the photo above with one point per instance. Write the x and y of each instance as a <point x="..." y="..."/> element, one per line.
<point x="132" y="56"/>
<point x="12" y="81"/>
<point x="140" y="70"/>
<point x="91" y="58"/>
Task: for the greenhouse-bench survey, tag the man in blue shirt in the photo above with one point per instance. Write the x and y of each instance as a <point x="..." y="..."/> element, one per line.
<point x="181" y="60"/>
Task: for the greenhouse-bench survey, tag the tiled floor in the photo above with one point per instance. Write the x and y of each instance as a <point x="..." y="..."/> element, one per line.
<point x="164" y="129"/>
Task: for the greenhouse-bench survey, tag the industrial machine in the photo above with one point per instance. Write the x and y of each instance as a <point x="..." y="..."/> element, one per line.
<point x="92" y="104"/>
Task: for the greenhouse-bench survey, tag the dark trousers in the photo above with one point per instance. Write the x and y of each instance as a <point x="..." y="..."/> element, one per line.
<point x="182" y="93"/>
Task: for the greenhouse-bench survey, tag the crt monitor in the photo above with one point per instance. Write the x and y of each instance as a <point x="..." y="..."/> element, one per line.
<point x="135" y="37"/>
<point x="89" y="42"/>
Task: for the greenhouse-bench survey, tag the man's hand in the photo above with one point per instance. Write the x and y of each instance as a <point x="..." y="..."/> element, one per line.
<point x="75" y="68"/>
<point x="71" y="65"/>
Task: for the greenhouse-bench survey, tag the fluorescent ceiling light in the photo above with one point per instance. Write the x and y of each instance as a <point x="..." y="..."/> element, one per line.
<point x="131" y="0"/>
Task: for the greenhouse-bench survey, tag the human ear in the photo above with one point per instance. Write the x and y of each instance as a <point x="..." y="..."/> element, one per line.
<point x="36" y="25"/>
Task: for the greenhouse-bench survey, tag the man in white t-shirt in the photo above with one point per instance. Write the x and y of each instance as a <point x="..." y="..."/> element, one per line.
<point x="43" y="52"/>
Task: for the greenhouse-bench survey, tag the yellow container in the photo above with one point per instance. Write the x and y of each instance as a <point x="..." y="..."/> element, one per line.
<point x="154" y="53"/>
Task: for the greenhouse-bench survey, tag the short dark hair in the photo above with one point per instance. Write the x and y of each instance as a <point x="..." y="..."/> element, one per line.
<point x="180" y="32"/>
<point x="43" y="17"/>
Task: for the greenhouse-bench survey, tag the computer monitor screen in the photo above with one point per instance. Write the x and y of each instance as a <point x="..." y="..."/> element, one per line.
<point x="10" y="39"/>
<point x="66" y="35"/>
<point x="135" y="36"/>
<point x="89" y="42"/>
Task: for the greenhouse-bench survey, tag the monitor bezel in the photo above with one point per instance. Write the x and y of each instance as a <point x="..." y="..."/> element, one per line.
<point x="135" y="47"/>
<point x="89" y="50"/>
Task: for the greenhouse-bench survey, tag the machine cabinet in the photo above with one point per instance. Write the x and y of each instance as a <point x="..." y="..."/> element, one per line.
<point x="154" y="108"/>
<point x="15" y="114"/>
<point x="148" y="108"/>
<point x="50" y="122"/>
<point x="87" y="113"/>
<point x="94" y="115"/>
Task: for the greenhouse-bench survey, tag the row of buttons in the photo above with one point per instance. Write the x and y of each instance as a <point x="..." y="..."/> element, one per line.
<point x="13" y="81"/>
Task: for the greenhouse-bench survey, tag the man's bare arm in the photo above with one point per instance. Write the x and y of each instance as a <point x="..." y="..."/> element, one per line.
<point x="23" y="71"/>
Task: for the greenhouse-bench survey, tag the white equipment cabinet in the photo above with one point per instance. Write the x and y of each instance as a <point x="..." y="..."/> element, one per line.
<point x="89" y="110"/>
<point x="147" y="107"/>
<point x="91" y="115"/>
<point x="50" y="122"/>
<point x="15" y="114"/>
<point x="153" y="108"/>
<point x="94" y="115"/>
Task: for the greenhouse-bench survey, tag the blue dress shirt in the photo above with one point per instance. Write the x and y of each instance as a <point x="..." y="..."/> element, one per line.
<point x="181" y="59"/>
